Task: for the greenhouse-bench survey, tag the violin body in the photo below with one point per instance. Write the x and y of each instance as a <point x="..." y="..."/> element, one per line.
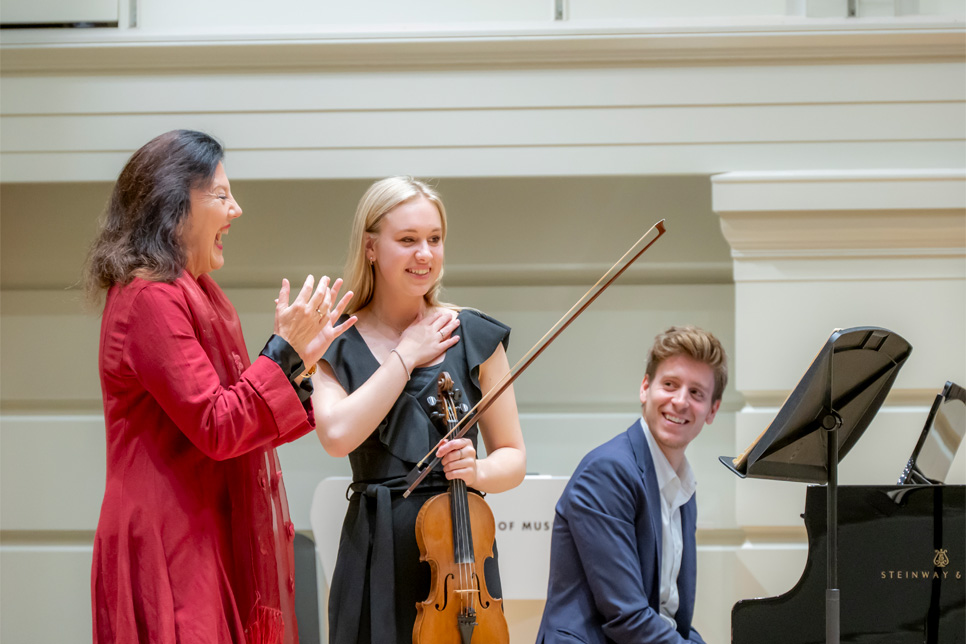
<point x="458" y="583"/>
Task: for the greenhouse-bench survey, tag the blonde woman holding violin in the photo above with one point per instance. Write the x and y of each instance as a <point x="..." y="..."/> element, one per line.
<point x="372" y="404"/>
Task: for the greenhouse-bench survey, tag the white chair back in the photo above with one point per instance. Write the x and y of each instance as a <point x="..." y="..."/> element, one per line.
<point x="523" y="515"/>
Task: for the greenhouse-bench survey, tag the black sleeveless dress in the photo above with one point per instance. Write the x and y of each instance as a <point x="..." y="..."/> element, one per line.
<point x="378" y="578"/>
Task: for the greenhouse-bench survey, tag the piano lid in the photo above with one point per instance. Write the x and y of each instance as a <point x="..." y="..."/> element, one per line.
<point x="847" y="381"/>
<point x="932" y="458"/>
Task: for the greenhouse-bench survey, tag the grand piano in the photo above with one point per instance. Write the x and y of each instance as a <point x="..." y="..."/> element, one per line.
<point x="902" y="553"/>
<point x="900" y="549"/>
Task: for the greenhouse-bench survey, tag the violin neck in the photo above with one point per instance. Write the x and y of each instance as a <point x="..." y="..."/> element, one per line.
<point x="462" y="530"/>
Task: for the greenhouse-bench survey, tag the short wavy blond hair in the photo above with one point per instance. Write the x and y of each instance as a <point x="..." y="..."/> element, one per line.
<point x="378" y="200"/>
<point x="696" y="344"/>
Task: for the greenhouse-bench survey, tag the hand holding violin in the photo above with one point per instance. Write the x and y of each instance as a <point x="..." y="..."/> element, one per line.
<point x="459" y="460"/>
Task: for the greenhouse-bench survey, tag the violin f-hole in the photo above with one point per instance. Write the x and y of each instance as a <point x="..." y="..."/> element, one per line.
<point x="479" y="593"/>
<point x="446" y="592"/>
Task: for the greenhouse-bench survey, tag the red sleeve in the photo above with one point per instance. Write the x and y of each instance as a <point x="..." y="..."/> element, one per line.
<point x="163" y="351"/>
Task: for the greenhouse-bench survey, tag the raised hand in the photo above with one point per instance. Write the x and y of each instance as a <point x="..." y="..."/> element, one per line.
<point x="309" y="323"/>
<point x="330" y="330"/>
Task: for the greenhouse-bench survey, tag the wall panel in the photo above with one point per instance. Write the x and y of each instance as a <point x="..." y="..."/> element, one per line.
<point x="436" y="129"/>
<point x="516" y="122"/>
<point x="442" y="89"/>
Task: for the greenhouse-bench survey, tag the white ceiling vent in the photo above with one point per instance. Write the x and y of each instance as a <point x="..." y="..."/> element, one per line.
<point x="63" y="14"/>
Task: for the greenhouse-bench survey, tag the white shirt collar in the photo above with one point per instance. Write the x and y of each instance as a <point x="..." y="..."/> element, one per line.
<point x="676" y="487"/>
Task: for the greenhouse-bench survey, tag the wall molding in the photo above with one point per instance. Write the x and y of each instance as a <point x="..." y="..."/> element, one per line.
<point x="851" y="266"/>
<point x="773" y="40"/>
<point x="846" y="215"/>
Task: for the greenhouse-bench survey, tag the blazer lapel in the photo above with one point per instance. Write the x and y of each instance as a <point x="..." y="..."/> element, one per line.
<point x="642" y="454"/>
<point x="686" y="576"/>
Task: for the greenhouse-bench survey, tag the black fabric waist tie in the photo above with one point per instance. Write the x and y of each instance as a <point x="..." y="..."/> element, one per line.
<point x="379" y="551"/>
<point x="382" y="582"/>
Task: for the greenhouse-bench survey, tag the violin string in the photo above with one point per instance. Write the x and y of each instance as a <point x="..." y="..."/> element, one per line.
<point x="459" y="544"/>
<point x="497" y="389"/>
<point x="470" y="559"/>
<point x="464" y="563"/>
<point x="467" y="536"/>
<point x="459" y="509"/>
<point x="467" y="554"/>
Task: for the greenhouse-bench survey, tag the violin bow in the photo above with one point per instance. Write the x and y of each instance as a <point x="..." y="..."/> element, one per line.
<point x="422" y="469"/>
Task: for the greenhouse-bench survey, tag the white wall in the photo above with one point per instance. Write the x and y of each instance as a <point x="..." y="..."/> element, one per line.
<point x="519" y="122"/>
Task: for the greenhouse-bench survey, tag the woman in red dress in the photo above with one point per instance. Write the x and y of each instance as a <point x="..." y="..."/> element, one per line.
<point x="194" y="542"/>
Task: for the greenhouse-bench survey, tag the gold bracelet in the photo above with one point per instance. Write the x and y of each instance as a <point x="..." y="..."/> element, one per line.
<point x="398" y="355"/>
<point x="308" y="373"/>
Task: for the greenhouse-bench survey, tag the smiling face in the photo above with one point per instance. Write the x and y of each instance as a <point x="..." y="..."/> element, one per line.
<point x="212" y="211"/>
<point x="408" y="249"/>
<point x="678" y="403"/>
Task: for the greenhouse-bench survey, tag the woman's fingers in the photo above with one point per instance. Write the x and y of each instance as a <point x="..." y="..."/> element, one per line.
<point x="281" y="304"/>
<point x="458" y="449"/>
<point x="443" y="322"/>
<point x="283" y="294"/>
<point x="342" y="328"/>
<point x="320" y="299"/>
<point x="324" y="298"/>
<point x="337" y="313"/>
<point x="459" y="459"/>
<point x="450" y="341"/>
<point x="305" y="294"/>
<point x="334" y="291"/>
<point x="317" y="303"/>
<point x="445" y="331"/>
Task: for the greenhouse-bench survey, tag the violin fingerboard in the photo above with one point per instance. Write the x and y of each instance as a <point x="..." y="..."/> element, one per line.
<point x="462" y="531"/>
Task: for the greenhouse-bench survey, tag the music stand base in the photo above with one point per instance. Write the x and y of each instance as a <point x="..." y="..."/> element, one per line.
<point x="831" y="616"/>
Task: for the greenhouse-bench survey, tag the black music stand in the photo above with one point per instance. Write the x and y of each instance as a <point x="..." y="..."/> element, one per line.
<point x="821" y="420"/>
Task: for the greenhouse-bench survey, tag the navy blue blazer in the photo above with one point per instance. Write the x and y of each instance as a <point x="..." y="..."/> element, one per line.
<point x="605" y="553"/>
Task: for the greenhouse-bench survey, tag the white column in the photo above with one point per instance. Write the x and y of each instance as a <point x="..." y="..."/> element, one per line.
<point x="818" y="250"/>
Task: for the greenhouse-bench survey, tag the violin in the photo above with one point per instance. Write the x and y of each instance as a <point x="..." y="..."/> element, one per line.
<point x="455" y="532"/>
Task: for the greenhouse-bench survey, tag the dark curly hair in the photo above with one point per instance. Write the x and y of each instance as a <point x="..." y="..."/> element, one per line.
<point x="140" y="233"/>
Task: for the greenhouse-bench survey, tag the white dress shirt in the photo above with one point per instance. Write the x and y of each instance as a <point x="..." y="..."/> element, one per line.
<point x="677" y="488"/>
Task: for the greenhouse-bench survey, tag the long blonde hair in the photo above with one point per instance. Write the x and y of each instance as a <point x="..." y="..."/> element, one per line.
<point x="379" y="199"/>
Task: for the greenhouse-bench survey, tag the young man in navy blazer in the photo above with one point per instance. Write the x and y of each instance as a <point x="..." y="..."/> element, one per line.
<point x="622" y="557"/>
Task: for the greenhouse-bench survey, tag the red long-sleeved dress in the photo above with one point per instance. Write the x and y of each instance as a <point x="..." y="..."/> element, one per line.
<point x="194" y="542"/>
